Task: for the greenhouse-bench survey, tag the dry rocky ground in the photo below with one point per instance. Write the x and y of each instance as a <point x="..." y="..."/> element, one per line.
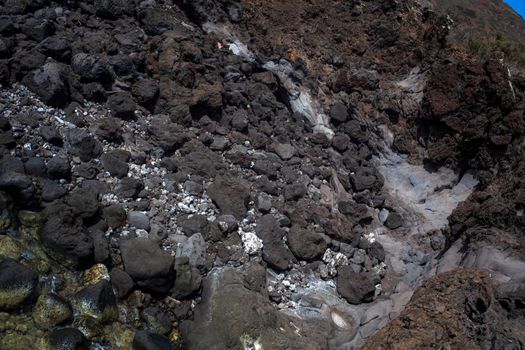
<point x="256" y="175"/>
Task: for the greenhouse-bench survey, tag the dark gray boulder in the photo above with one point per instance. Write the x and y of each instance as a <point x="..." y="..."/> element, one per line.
<point x="306" y="244"/>
<point x="50" y="83"/>
<point x="355" y="287"/>
<point x="17" y="283"/>
<point x="230" y="195"/>
<point x="147" y="264"/>
<point x="236" y="312"/>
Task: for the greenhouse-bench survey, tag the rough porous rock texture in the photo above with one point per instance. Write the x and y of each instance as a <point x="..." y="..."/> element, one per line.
<point x="254" y="174"/>
<point x="457" y="309"/>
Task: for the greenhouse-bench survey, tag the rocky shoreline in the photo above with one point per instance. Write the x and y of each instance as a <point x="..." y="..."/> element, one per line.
<point x="213" y="175"/>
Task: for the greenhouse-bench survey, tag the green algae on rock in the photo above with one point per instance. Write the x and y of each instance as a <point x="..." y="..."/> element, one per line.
<point x="96" y="300"/>
<point x="65" y="338"/>
<point x="9" y="248"/>
<point x="51" y="310"/>
<point x="17" y="283"/>
<point x="18" y="332"/>
<point x="31" y="218"/>
<point x="89" y="326"/>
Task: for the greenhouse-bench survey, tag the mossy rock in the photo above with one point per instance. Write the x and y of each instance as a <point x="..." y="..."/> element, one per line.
<point x="119" y="336"/>
<point x="9" y="248"/>
<point x="51" y="310"/>
<point x="31" y="218"/>
<point x="17" y="283"/>
<point x="90" y="327"/>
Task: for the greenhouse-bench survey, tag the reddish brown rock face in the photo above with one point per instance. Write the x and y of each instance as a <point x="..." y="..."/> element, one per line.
<point x="455" y="310"/>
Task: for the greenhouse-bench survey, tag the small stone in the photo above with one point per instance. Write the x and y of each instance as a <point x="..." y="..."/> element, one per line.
<point x="285" y="151"/>
<point x="139" y="220"/>
<point x="122" y="105"/>
<point x="51" y="310"/>
<point x="65" y="338"/>
<point x="377" y="251"/>
<point x="306" y="244"/>
<point x="356" y="288"/>
<point x="227" y="223"/>
<point x="264" y="203"/>
<point x="240" y="120"/>
<point x="393" y="221"/>
<point x="195" y="249"/>
<point x="17" y="283"/>
<point x="219" y="143"/>
<point x="115" y="166"/>
<point x="122" y="282"/>
<point x="151" y="341"/>
<point x="96" y="274"/>
<point x="188" y="278"/>
<point x="96" y="300"/>
<point x="339" y="113"/>
<point x="114" y="215"/>
<point x="147" y="264"/>
<point x="9" y="248"/>
<point x="383" y="215"/>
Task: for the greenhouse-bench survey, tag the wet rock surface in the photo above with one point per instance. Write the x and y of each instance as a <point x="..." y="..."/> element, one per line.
<point x="219" y="175"/>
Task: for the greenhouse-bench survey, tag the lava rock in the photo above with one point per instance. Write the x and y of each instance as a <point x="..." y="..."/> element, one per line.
<point x="146" y="91"/>
<point x="115" y="215"/>
<point x="83" y="145"/>
<point x="65" y="339"/>
<point x="362" y="182"/>
<point x="97" y="301"/>
<point x="56" y="47"/>
<point x="122" y="105"/>
<point x="114" y="9"/>
<point x="194" y="249"/>
<point x="377" y="251"/>
<point x="17" y="283"/>
<point x="231" y="195"/>
<point x="129" y="187"/>
<point x="147" y="264"/>
<point x="157" y="320"/>
<point x="227" y="223"/>
<point x="59" y="168"/>
<point x="52" y="190"/>
<point x="306" y="244"/>
<point x="109" y="129"/>
<point x="155" y="21"/>
<point x="84" y="202"/>
<point x="35" y="166"/>
<point x="139" y="220"/>
<point x="284" y="150"/>
<point x="263" y="203"/>
<point x="144" y="340"/>
<point x="277" y="255"/>
<point x="240" y="120"/>
<point x="167" y="135"/>
<point x="51" y="135"/>
<point x="50" y="83"/>
<point x="393" y="221"/>
<point x="63" y="234"/>
<point x="234" y="303"/>
<point x="121" y="281"/>
<point x="355" y="287"/>
<point x="37" y="28"/>
<point x="188" y="278"/>
<point x="339" y="113"/>
<point x="51" y="310"/>
<point x="113" y="164"/>
<point x="294" y="192"/>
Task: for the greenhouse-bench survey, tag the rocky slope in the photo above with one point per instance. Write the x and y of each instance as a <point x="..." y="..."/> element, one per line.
<point x="482" y="19"/>
<point x="255" y="175"/>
